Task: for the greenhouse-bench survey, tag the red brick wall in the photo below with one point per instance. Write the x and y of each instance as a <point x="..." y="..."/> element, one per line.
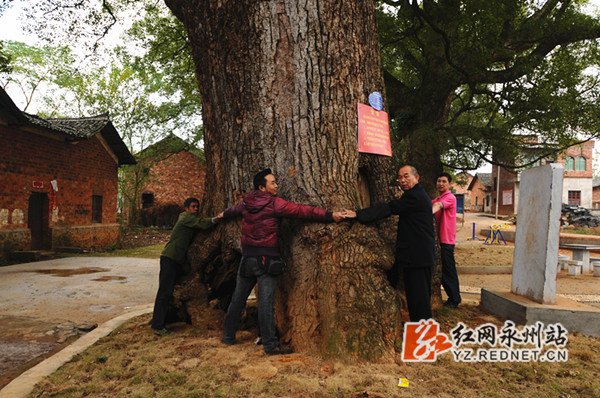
<point x="507" y="183"/>
<point x="587" y="151"/>
<point x="462" y="188"/>
<point x="175" y="179"/>
<point x="81" y="169"/>
<point x="596" y="197"/>
<point x="477" y="195"/>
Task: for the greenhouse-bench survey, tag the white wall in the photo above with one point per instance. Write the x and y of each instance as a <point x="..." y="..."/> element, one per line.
<point x="578" y="184"/>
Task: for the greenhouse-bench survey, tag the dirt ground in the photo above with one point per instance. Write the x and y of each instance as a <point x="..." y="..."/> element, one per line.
<point x="473" y="252"/>
<point x="24" y="336"/>
<point x="145" y="237"/>
<point x="192" y="362"/>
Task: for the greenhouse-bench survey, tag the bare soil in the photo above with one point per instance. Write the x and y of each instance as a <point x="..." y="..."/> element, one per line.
<point x="145" y="237"/>
<point x="192" y="362"/>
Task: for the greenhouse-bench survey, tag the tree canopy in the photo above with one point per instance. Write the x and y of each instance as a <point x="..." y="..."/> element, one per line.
<point x="36" y="71"/>
<point x="145" y="80"/>
<point x="472" y="78"/>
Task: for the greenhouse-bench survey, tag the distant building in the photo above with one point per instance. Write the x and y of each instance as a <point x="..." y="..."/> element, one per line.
<point x="460" y="185"/>
<point x="174" y="171"/>
<point x="577" y="181"/>
<point x="480" y="190"/>
<point x="596" y="193"/>
<point x="59" y="180"/>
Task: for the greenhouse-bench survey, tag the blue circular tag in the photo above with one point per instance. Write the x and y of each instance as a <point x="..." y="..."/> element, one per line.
<point x="375" y="100"/>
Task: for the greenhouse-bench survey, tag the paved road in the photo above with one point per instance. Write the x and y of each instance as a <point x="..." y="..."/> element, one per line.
<point x="43" y="303"/>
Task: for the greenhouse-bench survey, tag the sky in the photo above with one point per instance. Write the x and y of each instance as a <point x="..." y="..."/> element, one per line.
<point x="11" y="30"/>
<point x="11" y="27"/>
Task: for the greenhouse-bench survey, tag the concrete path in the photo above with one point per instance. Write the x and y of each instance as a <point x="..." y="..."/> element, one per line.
<point x="43" y="303"/>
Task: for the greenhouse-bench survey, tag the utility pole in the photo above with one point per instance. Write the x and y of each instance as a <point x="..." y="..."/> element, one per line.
<point x="497" y="190"/>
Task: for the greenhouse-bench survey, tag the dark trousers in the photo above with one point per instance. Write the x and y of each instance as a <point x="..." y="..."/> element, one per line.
<point x="449" y="274"/>
<point x="170" y="271"/>
<point x="417" y="284"/>
<point x="266" y="300"/>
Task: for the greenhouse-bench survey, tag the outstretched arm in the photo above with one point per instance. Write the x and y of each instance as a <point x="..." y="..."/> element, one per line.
<point x="218" y="217"/>
<point x="338" y="215"/>
<point x="349" y="213"/>
<point x="369" y="214"/>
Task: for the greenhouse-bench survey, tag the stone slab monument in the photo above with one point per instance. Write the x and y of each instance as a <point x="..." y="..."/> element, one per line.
<point x="538" y="232"/>
<point x="533" y="288"/>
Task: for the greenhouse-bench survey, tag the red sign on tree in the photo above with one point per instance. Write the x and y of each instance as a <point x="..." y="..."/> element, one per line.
<point x="373" y="131"/>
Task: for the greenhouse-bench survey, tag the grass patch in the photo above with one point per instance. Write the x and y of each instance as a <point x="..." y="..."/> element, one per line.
<point x="581" y="230"/>
<point x="139" y="252"/>
<point x="192" y="362"/>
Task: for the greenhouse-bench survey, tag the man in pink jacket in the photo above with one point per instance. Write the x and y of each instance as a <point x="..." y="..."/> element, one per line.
<point x="262" y="211"/>
<point x="444" y="209"/>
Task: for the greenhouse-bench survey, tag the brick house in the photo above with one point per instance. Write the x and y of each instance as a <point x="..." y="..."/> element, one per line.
<point x="459" y="186"/>
<point x="596" y="193"/>
<point x="59" y="180"/>
<point x="578" y="177"/>
<point x="577" y="181"/>
<point x="173" y="171"/>
<point x="480" y="189"/>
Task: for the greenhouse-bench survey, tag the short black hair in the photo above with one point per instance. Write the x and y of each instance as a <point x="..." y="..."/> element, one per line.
<point x="448" y="176"/>
<point x="259" y="178"/>
<point x="189" y="201"/>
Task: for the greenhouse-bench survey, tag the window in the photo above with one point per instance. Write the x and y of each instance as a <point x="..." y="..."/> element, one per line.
<point x="96" y="208"/>
<point x="574" y="198"/>
<point x="569" y="164"/>
<point x="580" y="165"/>
<point x="147" y="200"/>
<point x="476" y="201"/>
<point x="536" y="162"/>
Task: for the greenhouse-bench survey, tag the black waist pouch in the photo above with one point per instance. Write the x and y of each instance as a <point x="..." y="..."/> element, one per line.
<point x="275" y="266"/>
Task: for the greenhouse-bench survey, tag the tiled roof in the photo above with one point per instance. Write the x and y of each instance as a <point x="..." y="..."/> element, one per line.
<point x="84" y="127"/>
<point x="9" y="110"/>
<point x="485" y="178"/>
<point x="76" y="128"/>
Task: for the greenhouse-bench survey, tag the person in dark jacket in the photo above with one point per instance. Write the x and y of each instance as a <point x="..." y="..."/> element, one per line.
<point x="261" y="211"/>
<point x="415" y="242"/>
<point x="173" y="257"/>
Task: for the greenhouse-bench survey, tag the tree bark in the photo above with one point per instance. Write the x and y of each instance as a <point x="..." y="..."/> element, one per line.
<point x="280" y="82"/>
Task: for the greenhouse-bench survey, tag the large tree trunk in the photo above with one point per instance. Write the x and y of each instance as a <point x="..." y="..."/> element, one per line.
<point x="280" y="82"/>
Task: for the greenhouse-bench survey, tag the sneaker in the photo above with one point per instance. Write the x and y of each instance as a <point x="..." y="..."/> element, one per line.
<point x="279" y="351"/>
<point x="161" y="332"/>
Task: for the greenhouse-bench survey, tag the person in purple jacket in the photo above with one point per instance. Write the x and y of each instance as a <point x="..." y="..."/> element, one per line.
<point x="262" y="211"/>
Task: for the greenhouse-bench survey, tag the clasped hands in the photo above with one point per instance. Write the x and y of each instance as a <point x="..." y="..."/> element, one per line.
<point x="342" y="215"/>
